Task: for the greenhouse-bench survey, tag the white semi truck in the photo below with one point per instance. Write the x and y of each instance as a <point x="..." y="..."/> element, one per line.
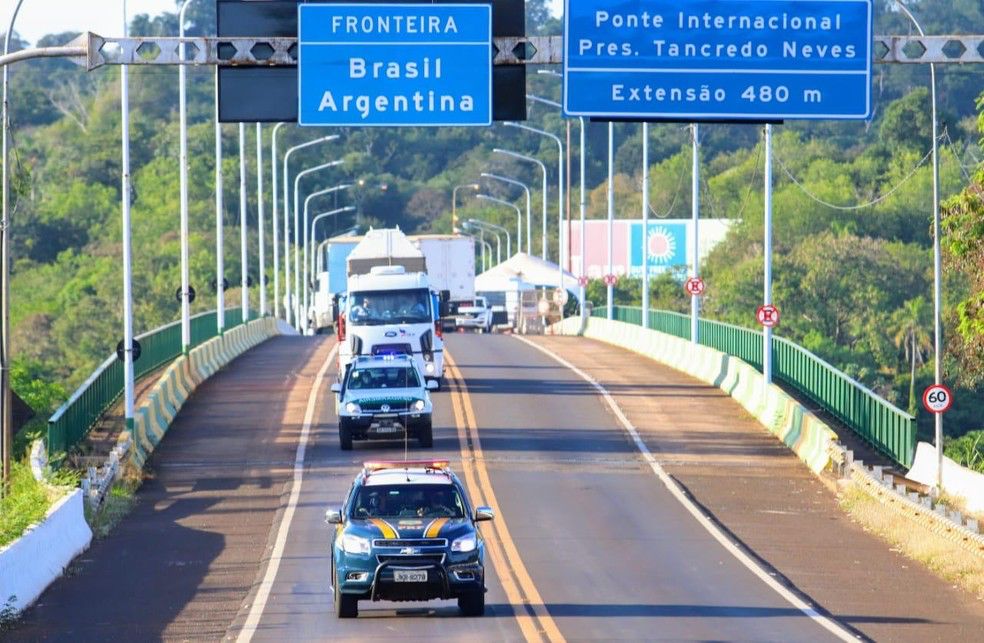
<point x="390" y="305"/>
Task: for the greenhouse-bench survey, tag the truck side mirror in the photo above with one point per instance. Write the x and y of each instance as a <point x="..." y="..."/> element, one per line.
<point x="445" y="296"/>
<point x="336" y="388"/>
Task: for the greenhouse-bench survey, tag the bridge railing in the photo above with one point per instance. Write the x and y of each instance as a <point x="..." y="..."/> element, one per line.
<point x="73" y="420"/>
<point x="886" y="427"/>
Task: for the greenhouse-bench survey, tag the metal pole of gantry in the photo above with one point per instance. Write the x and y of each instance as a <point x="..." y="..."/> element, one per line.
<point x="259" y="218"/>
<point x="219" y="220"/>
<point x="767" y="294"/>
<point x="694" y="239"/>
<point x="543" y="170"/>
<point x="243" y="258"/>
<point x="183" y="186"/>
<point x="286" y="187"/>
<point x="610" y="289"/>
<point x="127" y="244"/>
<point x="937" y="264"/>
<point x="7" y="419"/>
<point x="645" y="225"/>
<point x="275" y="222"/>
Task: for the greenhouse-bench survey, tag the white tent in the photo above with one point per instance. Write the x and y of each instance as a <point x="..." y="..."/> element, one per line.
<point x="525" y="269"/>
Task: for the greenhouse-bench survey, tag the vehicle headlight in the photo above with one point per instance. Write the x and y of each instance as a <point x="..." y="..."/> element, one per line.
<point x="355" y="544"/>
<point x="429" y="367"/>
<point x="418" y="405"/>
<point x="465" y="544"/>
<point x="353" y="408"/>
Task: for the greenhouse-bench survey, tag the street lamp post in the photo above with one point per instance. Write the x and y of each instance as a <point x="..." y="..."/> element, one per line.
<point x="286" y="184"/>
<point x="454" y="203"/>
<point x="244" y="258"/>
<point x="7" y="429"/>
<point x="259" y="216"/>
<point x="314" y="225"/>
<point x="543" y="169"/>
<point x="276" y="221"/>
<point x="519" y="219"/>
<point x="519" y="232"/>
<point x="494" y="229"/>
<point x="560" y="183"/>
<point x="307" y="201"/>
<point x="298" y="239"/>
<point x="937" y="262"/>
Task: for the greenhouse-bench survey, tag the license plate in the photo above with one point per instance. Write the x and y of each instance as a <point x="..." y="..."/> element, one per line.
<point x="410" y="576"/>
<point x="389" y="428"/>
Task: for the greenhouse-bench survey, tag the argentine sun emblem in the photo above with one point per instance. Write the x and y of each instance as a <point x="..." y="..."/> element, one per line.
<point x="660" y="246"/>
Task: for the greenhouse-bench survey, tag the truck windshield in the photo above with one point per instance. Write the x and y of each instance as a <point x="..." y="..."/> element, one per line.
<point x="384" y="377"/>
<point x="408" y="501"/>
<point x="374" y="307"/>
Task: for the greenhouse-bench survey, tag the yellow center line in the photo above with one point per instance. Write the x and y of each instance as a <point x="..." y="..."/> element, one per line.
<point x="502" y="549"/>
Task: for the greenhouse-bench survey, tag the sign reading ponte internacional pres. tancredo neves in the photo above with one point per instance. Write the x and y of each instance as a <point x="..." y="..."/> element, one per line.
<point x="395" y="64"/>
<point x="718" y="59"/>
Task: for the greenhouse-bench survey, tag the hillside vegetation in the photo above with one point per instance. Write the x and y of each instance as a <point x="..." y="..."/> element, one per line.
<point x="852" y="203"/>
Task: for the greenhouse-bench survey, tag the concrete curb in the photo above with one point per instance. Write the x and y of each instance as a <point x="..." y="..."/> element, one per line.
<point x="183" y="376"/>
<point x="805" y="434"/>
<point x="33" y="561"/>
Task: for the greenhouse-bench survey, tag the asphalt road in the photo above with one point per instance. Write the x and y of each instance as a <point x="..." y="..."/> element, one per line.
<point x="590" y="544"/>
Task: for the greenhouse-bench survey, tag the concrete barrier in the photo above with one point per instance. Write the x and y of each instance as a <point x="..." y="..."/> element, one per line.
<point x="805" y="434"/>
<point x="153" y="417"/>
<point x="33" y="561"/>
<point x="957" y="480"/>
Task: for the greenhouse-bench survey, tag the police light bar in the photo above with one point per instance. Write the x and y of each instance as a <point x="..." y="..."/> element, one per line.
<point x="380" y="465"/>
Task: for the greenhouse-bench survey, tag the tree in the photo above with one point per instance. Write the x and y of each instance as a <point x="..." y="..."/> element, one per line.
<point x="911" y="324"/>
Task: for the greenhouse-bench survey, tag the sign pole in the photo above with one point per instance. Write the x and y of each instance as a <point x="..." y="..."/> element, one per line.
<point x="695" y="258"/>
<point x="128" y="394"/>
<point x="645" y="225"/>
<point x="767" y="330"/>
<point x="582" y="281"/>
<point x="611" y="215"/>
<point x="219" y="220"/>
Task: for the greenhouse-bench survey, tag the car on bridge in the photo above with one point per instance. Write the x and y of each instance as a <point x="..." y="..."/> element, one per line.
<point x="407" y="533"/>
<point x="384" y="397"/>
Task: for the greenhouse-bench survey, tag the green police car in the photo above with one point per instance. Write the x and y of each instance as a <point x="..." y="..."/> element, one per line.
<point x="407" y="533"/>
<point x="383" y="397"/>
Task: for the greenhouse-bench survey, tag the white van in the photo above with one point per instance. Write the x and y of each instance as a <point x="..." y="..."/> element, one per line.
<point x="392" y="312"/>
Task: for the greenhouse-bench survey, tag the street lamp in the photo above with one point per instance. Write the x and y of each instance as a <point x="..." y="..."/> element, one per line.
<point x="583" y="204"/>
<point x="286" y="161"/>
<point x="244" y="257"/>
<point x="307" y="202"/>
<point x="937" y="262"/>
<point x="543" y="169"/>
<point x="297" y="234"/>
<point x="7" y="430"/>
<point x="519" y="232"/>
<point x="454" y="203"/>
<point x="276" y="220"/>
<point x="314" y="224"/>
<point x="259" y="216"/>
<point x="519" y="219"/>
<point x="560" y="179"/>
<point x="494" y="229"/>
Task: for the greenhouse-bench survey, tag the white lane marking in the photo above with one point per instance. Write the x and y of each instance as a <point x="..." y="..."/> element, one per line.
<point x="273" y="565"/>
<point x="826" y="622"/>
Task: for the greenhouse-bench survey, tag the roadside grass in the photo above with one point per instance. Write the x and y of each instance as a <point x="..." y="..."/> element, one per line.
<point x="24" y="504"/>
<point x="119" y="501"/>
<point x="941" y="555"/>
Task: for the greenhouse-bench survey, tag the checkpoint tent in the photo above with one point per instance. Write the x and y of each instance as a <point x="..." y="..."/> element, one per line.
<point x="522" y="268"/>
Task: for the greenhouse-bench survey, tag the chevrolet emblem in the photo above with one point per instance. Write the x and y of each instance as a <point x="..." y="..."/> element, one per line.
<point x="409" y="551"/>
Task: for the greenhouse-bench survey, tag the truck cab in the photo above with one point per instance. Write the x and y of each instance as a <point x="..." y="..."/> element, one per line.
<point x="390" y="312"/>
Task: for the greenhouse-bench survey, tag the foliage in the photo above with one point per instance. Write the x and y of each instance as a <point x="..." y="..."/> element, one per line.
<point x="967" y="450"/>
<point x="25" y="503"/>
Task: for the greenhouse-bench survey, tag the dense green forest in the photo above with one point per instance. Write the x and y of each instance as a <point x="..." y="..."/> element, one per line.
<point x="852" y="203"/>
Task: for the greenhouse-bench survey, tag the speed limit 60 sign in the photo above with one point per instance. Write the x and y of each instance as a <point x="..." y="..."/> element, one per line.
<point x="937" y="398"/>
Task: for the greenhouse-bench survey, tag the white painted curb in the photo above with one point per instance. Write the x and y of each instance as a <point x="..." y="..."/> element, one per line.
<point x="33" y="561"/>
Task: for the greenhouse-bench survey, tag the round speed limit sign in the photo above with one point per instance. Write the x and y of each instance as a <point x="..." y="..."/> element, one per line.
<point x="937" y="398"/>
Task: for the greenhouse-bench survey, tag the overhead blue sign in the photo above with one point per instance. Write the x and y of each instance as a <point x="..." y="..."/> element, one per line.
<point x="394" y="64"/>
<point x="718" y="59"/>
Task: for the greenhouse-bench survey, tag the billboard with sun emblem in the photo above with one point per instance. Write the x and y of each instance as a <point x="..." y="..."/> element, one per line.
<point x="667" y="245"/>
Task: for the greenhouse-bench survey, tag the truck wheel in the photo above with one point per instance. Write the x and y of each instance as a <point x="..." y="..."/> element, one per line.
<point x="472" y="604"/>
<point x="425" y="434"/>
<point x="344" y="437"/>
<point x="346" y="606"/>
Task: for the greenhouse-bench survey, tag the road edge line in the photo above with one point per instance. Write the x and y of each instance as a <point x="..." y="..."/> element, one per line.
<point x="280" y="543"/>
<point x="826" y="622"/>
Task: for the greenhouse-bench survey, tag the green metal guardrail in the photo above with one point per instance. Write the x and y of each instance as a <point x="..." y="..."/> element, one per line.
<point x="886" y="427"/>
<point x="73" y="419"/>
